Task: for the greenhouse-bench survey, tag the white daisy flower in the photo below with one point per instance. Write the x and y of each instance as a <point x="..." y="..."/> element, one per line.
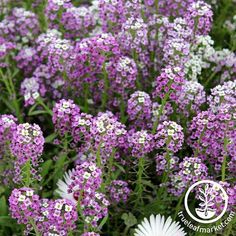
<point x="63" y="187"/>
<point x="158" y="226"/>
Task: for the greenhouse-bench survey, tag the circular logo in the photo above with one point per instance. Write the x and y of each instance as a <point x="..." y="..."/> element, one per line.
<point x="210" y="194"/>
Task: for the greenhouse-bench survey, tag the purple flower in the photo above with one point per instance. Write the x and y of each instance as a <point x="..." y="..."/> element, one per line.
<point x="169" y="136"/>
<point x="27" y="145"/>
<point x="63" y="113"/>
<point x="119" y="191"/>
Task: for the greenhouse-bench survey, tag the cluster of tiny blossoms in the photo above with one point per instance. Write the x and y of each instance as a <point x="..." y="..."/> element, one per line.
<point x="49" y="217"/>
<point x="31" y="89"/>
<point x="119" y="191"/>
<point x="81" y="127"/>
<point x="5" y="48"/>
<point x="199" y="17"/>
<point x="24" y="205"/>
<point x="7" y="127"/>
<point x="134" y="34"/>
<point x="177" y="43"/>
<point x="139" y="143"/>
<point x="63" y="113"/>
<point x="86" y="178"/>
<point x="170" y="81"/>
<point x="8" y="124"/>
<point x="112" y="14"/>
<point x="81" y="185"/>
<point x="222" y="94"/>
<point x="60" y="56"/>
<point x="27" y="59"/>
<point x="53" y="11"/>
<point x="124" y="71"/>
<point x="191" y="98"/>
<point x="174" y="7"/>
<point x="169" y="136"/>
<point x="27" y="146"/>
<point x="78" y="22"/>
<point x="90" y="234"/>
<point x="128" y="81"/>
<point x="213" y="135"/>
<point x="139" y="108"/>
<point x="191" y="170"/>
<point x="44" y="40"/>
<point x="57" y="217"/>
<point x="162" y="163"/>
<point x="107" y="131"/>
<point x="94" y="208"/>
<point x="92" y="54"/>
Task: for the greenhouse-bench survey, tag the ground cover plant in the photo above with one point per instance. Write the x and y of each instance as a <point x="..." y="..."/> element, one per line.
<point x="111" y="110"/>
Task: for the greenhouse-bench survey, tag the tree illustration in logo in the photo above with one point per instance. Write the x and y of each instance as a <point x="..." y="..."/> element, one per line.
<point x="206" y="196"/>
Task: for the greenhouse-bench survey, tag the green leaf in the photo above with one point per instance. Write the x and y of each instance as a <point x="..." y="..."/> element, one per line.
<point x="50" y="138"/>
<point x="8" y="104"/>
<point x="3" y="205"/>
<point x="120" y="167"/>
<point x="58" y="172"/>
<point x="103" y="222"/>
<point x="35" y="113"/>
<point x="129" y="219"/>
<point x="32" y="108"/>
<point x="7" y="221"/>
<point x="46" y="167"/>
<point x="61" y="160"/>
<point x="148" y="183"/>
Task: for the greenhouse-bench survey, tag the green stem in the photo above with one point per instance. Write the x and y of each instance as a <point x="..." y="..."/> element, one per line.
<point x="210" y="78"/>
<point x="106" y="88"/>
<point x="160" y="111"/>
<point x="42" y="16"/>
<point x="47" y="109"/>
<point x="79" y="209"/>
<point x="98" y="156"/>
<point x="157" y="6"/>
<point x="35" y="227"/>
<point x="165" y="175"/>
<point x="223" y="170"/>
<point x="126" y="230"/>
<point x="70" y="233"/>
<point x="199" y="141"/>
<point x="65" y="143"/>
<point x="178" y="205"/>
<point x="26" y="169"/>
<point x="7" y="80"/>
<point x="139" y="186"/>
<point x="122" y="110"/>
<point x="138" y="82"/>
<point x="110" y="165"/>
<point x="86" y="92"/>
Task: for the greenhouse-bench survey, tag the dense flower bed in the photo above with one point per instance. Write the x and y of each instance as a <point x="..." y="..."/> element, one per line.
<point x="111" y="110"/>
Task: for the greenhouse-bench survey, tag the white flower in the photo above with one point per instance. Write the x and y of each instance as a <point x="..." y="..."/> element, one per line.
<point x="63" y="187"/>
<point x="58" y="206"/>
<point x="170" y="132"/>
<point x="86" y="175"/>
<point x="68" y="208"/>
<point x="158" y="226"/>
<point x="21" y="198"/>
<point x="29" y="193"/>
